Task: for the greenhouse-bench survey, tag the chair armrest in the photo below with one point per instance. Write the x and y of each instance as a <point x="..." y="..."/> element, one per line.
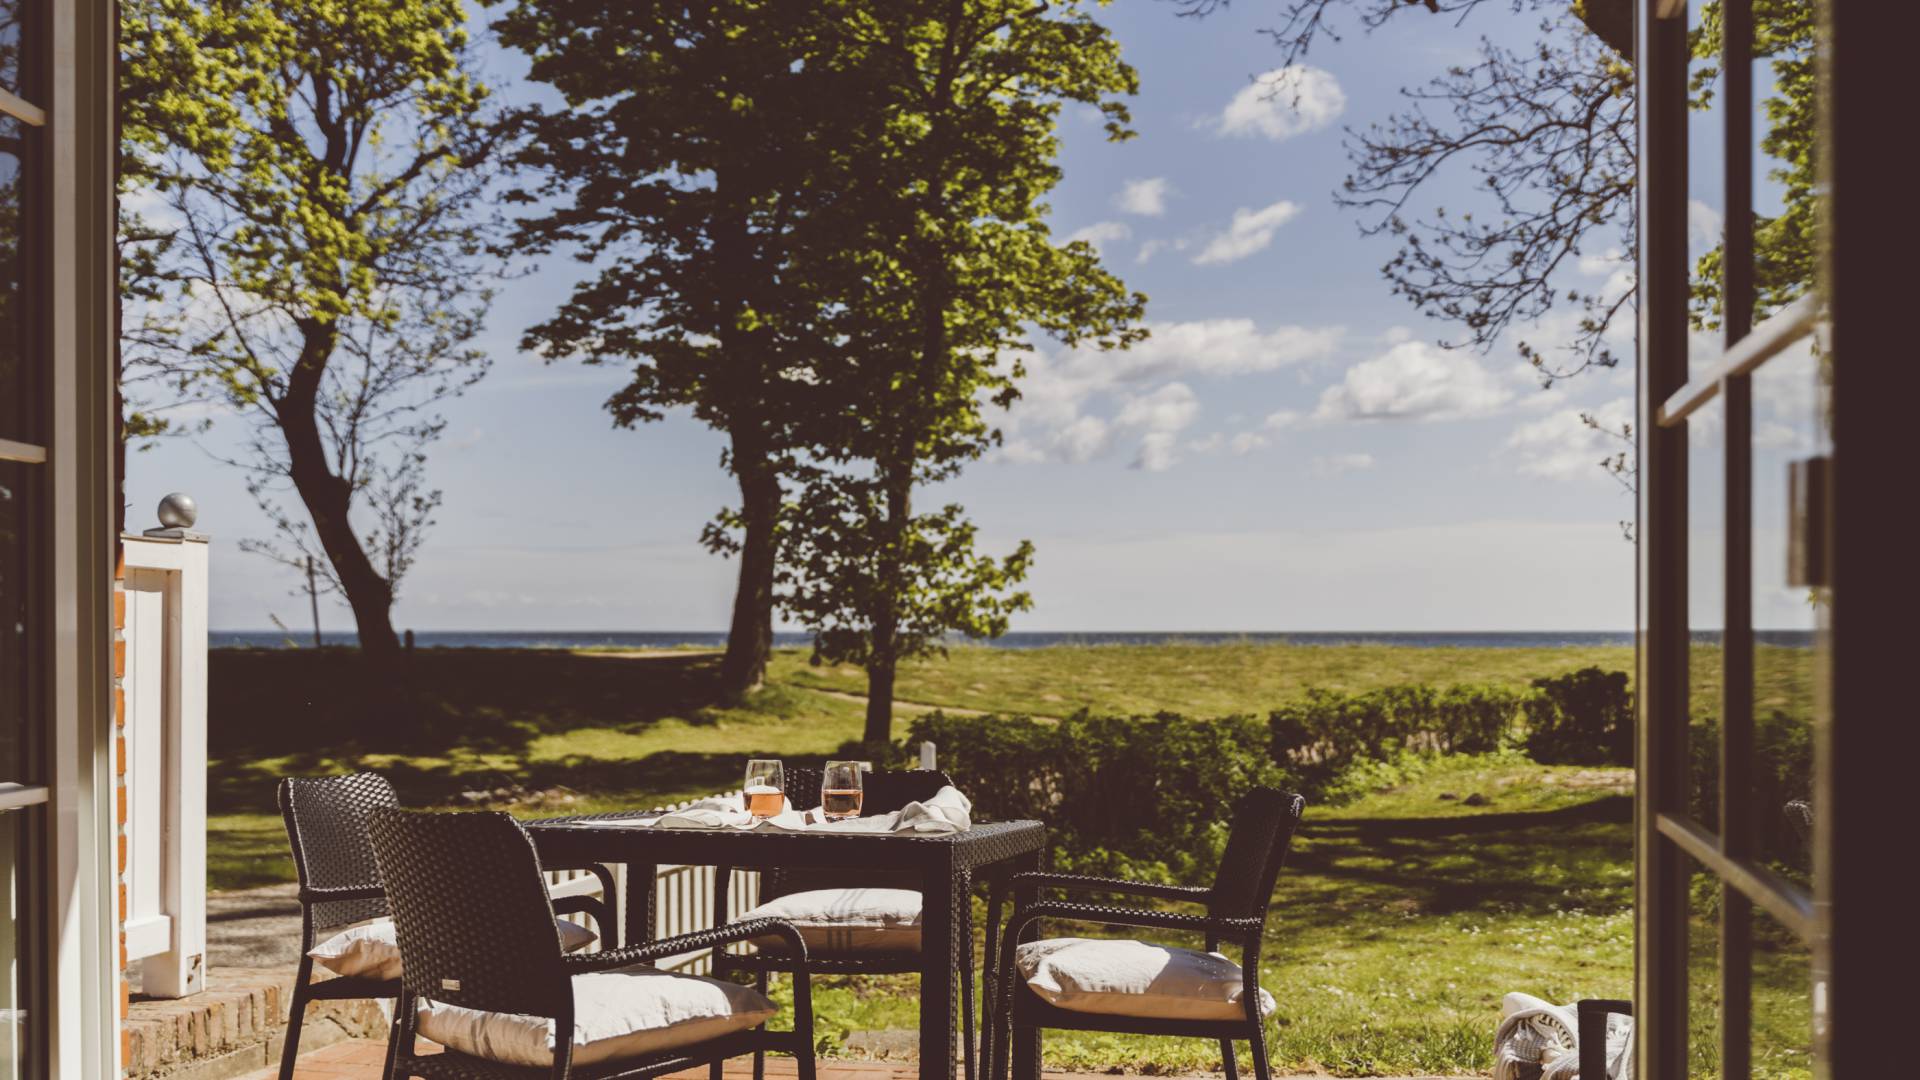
<point x="1117" y="916"/>
<point x="699" y="939"/>
<point x="588" y="905"/>
<point x="319" y="893"/>
<point x="1080" y="883"/>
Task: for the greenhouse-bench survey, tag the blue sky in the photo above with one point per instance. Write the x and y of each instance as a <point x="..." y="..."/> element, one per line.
<point x="1290" y="451"/>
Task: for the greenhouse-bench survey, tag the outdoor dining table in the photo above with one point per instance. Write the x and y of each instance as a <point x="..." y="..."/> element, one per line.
<point x="948" y="866"/>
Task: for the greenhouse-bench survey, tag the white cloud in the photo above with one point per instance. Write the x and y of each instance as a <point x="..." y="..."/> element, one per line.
<point x="1170" y="408"/>
<point x="1284" y="102"/>
<point x="1147" y="197"/>
<point x="1415" y="381"/>
<point x="1564" y="445"/>
<point x="1335" y="464"/>
<point x="1101" y="233"/>
<point x="1247" y="442"/>
<point x="1082" y="403"/>
<point x="1281" y="420"/>
<point x="1704" y="225"/>
<point x="1156" y="451"/>
<point x="1159" y="417"/>
<point x="1483" y="574"/>
<point x="1251" y="231"/>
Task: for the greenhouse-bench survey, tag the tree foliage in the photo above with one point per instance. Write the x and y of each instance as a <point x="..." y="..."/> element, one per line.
<point x="307" y="253"/>
<point x="697" y="148"/>
<point x="943" y="236"/>
<point x="1547" y="134"/>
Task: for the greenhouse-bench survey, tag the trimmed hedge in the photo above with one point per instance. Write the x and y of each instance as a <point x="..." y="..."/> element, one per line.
<point x="1143" y="797"/>
<point x="1322" y="734"/>
<point x="1146" y="796"/>
<point x="1584" y="717"/>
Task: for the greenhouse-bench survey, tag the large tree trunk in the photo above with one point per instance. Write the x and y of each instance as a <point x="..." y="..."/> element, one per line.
<point x="880" y="676"/>
<point x="750" y="635"/>
<point x="883" y="659"/>
<point x="327" y="498"/>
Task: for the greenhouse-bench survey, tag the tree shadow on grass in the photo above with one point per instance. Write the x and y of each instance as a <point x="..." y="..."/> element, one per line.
<point x="274" y="712"/>
<point x="273" y="701"/>
<point x="1503" y="864"/>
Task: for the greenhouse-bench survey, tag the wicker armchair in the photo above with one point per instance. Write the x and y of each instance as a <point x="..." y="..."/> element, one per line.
<point x="1236" y="903"/>
<point x="882" y="793"/>
<point x="340" y="885"/>
<point x="476" y="931"/>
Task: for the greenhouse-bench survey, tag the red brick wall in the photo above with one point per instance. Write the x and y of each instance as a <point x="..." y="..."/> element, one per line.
<point x="120" y="778"/>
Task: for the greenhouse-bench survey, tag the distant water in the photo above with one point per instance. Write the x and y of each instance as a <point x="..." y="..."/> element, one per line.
<point x="572" y="639"/>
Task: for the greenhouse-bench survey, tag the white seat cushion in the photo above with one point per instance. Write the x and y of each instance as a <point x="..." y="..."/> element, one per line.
<point x="847" y="920"/>
<point x="1135" y="978"/>
<point x="372" y="950"/>
<point x="621" y="1013"/>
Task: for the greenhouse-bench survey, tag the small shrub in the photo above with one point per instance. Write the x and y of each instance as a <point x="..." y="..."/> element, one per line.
<point x="1584" y="717"/>
<point x="1323" y="735"/>
<point x="1145" y="797"/>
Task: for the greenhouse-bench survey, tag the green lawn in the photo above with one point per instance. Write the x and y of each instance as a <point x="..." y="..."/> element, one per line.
<point x="1199" y="680"/>
<point x="1402" y="919"/>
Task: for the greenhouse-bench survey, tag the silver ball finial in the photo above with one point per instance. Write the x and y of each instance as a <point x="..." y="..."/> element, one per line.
<point x="179" y="511"/>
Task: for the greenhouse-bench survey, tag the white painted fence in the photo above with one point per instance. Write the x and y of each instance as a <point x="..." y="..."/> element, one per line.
<point x="166" y="761"/>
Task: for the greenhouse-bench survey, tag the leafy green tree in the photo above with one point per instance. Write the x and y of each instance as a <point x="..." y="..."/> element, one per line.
<point x="943" y="232"/>
<point x="315" y="177"/>
<point x="698" y="144"/>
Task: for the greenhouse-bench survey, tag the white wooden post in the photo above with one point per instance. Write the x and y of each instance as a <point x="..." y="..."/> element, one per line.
<point x="166" y="768"/>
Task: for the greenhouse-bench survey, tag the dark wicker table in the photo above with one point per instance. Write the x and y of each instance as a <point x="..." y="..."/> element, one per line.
<point x="948" y="866"/>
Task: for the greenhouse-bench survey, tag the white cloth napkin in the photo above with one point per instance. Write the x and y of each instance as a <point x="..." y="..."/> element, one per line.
<point x="721" y="812"/>
<point x="947" y="812"/>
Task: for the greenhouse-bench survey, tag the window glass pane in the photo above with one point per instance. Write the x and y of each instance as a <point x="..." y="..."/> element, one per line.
<point x="16" y="387"/>
<point x="1703" y="975"/>
<point x="14" y="580"/>
<point x="11" y="13"/>
<point x="1786" y="430"/>
<point x="13" y="1025"/>
<point x="1706" y="607"/>
<point x="1782" y="1002"/>
<point x="1786" y="236"/>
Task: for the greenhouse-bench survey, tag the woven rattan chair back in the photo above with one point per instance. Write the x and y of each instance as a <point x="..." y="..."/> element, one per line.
<point x="326" y="818"/>
<point x="475" y="923"/>
<point x="882" y="793"/>
<point x="1263" y="824"/>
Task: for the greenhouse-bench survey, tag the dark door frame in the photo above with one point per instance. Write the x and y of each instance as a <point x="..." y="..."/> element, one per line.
<point x="1865" y="741"/>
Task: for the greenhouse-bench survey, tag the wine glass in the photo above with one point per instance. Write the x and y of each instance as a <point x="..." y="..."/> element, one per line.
<point x="840" y="790"/>
<point x="765" y="788"/>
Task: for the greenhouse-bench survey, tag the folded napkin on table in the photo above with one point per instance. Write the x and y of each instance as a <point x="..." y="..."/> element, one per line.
<point x="720" y="812"/>
<point x="947" y="811"/>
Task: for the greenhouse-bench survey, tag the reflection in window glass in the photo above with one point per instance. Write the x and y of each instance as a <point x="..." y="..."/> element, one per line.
<point x="1706" y="606"/>
<point x="1786" y="162"/>
<point x="15" y="387"/>
<point x="1703" y="975"/>
<point x="13" y="619"/>
<point x="1786" y="429"/>
<point x="1782" y="1002"/>
<point x="10" y="15"/>
<point x="13" y="1026"/>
